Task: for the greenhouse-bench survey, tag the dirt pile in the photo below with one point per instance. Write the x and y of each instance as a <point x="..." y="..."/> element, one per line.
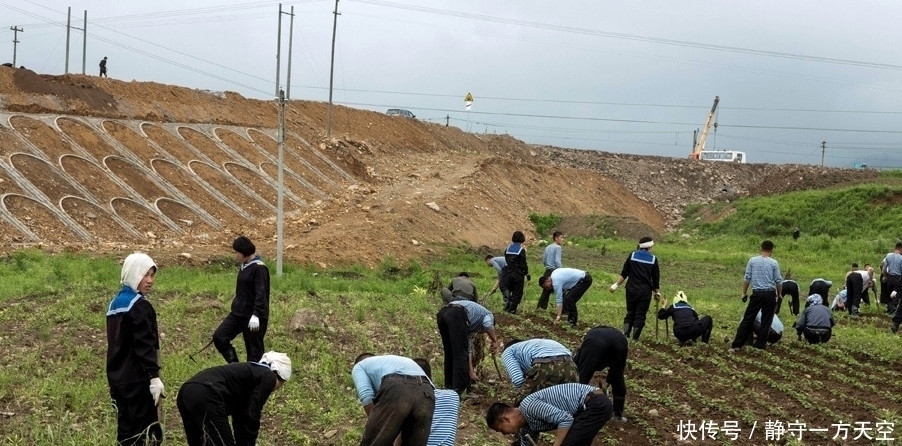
<point x="102" y="164"/>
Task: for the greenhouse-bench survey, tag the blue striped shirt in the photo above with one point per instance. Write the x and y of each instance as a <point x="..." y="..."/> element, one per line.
<point x="368" y="374"/>
<point x="444" y="420"/>
<point x="563" y="279"/>
<point x="553" y="407"/>
<point x="478" y="317"/>
<point x="763" y="273"/>
<point x="518" y="357"/>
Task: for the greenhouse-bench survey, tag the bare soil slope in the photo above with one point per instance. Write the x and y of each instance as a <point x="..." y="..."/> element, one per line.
<point x="102" y="164"/>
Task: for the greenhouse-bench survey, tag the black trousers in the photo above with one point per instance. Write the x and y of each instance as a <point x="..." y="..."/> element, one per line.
<point x="595" y="412"/>
<point x="136" y="415"/>
<point x="854" y="287"/>
<point x="231" y="327"/>
<point x="515" y="283"/>
<point x="760" y="300"/>
<point x="817" y="335"/>
<point x="638" y="300"/>
<point x="791" y="289"/>
<point x="573" y="295"/>
<point x="403" y="405"/>
<point x="701" y="327"/>
<point x="543" y="299"/>
<point x="204" y="416"/>
<point x="454" y="330"/>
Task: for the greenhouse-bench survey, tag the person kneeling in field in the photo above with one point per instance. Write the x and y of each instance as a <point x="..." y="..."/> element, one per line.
<point x="576" y="412"/>
<point x="239" y="389"/>
<point x="687" y="326"/>
<point x="816" y="322"/>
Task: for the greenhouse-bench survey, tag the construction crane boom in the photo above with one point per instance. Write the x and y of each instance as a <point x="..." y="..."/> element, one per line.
<point x="700" y="145"/>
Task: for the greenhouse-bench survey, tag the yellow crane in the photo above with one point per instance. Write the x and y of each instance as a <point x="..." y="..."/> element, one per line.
<point x="700" y="145"/>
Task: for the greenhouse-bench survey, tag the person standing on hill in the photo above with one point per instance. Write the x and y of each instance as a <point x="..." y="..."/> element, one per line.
<point x="687" y="326"/>
<point x="551" y="258"/>
<point x="644" y="274"/>
<point x="569" y="285"/>
<point x="605" y="347"/>
<point x="249" y="315"/>
<point x="460" y="288"/>
<point x="133" y="355"/>
<point x="457" y="322"/>
<point x="103" y="67"/>
<point x="516" y="270"/>
<point x="762" y="273"/>
<point x="498" y="263"/>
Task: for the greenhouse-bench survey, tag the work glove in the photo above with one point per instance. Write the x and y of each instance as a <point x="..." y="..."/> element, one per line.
<point x="614" y="287"/>
<point x="745" y="297"/>
<point x="254" y="323"/>
<point x="157" y="390"/>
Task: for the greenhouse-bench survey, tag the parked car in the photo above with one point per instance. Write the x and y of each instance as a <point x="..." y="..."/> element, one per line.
<point x="400" y="112"/>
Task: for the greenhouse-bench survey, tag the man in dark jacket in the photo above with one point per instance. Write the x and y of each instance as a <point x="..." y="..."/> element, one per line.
<point x="687" y="326"/>
<point x="133" y="355"/>
<point x="605" y="348"/>
<point x="209" y="398"/>
<point x="250" y="307"/>
<point x="515" y="271"/>
<point x="816" y="322"/>
<point x="644" y="276"/>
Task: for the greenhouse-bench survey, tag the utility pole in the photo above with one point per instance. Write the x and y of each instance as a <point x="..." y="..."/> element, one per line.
<point x="84" y="45"/>
<point x="281" y="96"/>
<point x="823" y="149"/>
<point x="16" y="30"/>
<point x="332" y="70"/>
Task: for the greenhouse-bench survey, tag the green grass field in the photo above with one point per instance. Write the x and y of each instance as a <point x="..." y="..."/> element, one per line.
<point x="53" y="387"/>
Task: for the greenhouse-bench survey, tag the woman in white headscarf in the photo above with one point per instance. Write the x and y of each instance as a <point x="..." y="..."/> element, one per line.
<point x="133" y="360"/>
<point x="687" y="326"/>
<point x="816" y="322"/>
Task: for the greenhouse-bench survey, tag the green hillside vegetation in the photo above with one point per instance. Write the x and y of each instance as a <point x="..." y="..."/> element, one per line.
<point x="53" y="387"/>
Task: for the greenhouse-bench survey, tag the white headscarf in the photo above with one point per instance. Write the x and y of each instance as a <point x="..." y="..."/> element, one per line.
<point x="279" y="363"/>
<point x="134" y="268"/>
<point x="815" y="299"/>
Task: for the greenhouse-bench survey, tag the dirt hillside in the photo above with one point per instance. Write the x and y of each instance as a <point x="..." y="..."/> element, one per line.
<point x="105" y="165"/>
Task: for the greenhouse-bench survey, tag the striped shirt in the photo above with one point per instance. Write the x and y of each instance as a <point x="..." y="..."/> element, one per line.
<point x="444" y="420"/>
<point x="368" y="374"/>
<point x="498" y="263"/>
<point x="518" y="358"/>
<point x="563" y="279"/>
<point x="763" y="273"/>
<point x="553" y="407"/>
<point x="551" y="257"/>
<point x="478" y="317"/>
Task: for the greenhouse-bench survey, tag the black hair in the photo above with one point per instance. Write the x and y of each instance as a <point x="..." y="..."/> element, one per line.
<point x="767" y="246"/>
<point x="424" y="364"/>
<point x="463" y="274"/>
<point x="244" y="246"/>
<point x="518" y="237"/>
<point x="510" y="343"/>
<point x="898" y="244"/>
<point x="363" y="356"/>
<point x="489" y="257"/>
<point x="543" y="279"/>
<point x="854" y="264"/>
<point x="494" y="414"/>
<point x="556" y="233"/>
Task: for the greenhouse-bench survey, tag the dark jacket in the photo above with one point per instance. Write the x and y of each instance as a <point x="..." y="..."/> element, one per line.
<point x="683" y="315"/>
<point x="515" y="255"/>
<point x="642" y="271"/>
<point x="252" y="290"/>
<point x="240" y="390"/>
<point x="133" y="340"/>
<point x="604" y="348"/>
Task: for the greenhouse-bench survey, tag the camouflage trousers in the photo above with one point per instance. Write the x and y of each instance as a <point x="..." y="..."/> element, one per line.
<point x="544" y="374"/>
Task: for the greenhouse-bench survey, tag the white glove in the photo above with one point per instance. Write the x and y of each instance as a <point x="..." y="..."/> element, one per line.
<point x="156" y="389"/>
<point x="892" y="295"/>
<point x="614" y="287"/>
<point x="254" y="323"/>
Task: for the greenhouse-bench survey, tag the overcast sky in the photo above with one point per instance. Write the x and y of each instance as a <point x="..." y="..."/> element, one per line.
<point x="632" y="77"/>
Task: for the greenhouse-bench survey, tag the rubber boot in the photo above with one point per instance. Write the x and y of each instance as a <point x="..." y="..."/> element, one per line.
<point x="627" y="328"/>
<point x="636" y="332"/>
<point x="230" y="355"/>
<point x="707" y="335"/>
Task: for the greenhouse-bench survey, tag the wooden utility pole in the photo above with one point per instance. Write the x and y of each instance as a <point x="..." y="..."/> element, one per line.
<point x="332" y="70"/>
<point x="823" y="149"/>
<point x="16" y="30"/>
